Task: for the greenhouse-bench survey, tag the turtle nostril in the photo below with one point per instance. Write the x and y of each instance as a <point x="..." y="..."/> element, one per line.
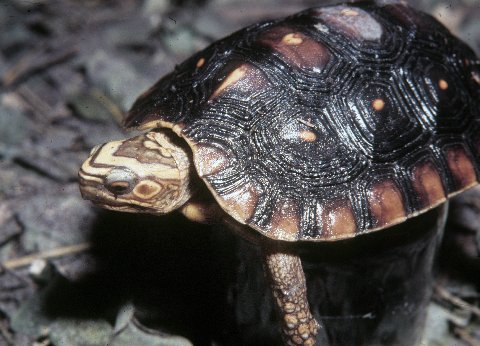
<point x="119" y="187"/>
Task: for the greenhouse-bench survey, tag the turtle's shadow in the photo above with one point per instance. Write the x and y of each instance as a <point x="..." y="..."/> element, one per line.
<point x="176" y="273"/>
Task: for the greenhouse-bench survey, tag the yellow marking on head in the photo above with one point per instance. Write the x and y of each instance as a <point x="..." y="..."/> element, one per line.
<point x="307" y="136"/>
<point x="148" y="171"/>
<point x="231" y="79"/>
<point x="147" y="189"/>
<point x="349" y="12"/>
<point x="378" y="104"/>
<point x="442" y="83"/>
<point x="200" y="62"/>
<point x="292" y="39"/>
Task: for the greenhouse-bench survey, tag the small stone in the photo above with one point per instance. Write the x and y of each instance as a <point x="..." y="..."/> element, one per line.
<point x="41" y="271"/>
<point x="8" y="223"/>
<point x="89" y="107"/>
<point x="14" y="125"/>
<point x="116" y="77"/>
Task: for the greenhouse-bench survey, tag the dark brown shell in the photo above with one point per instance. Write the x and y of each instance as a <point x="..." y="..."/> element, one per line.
<point x="329" y="123"/>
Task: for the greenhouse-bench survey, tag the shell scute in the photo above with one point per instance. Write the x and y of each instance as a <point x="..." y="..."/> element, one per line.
<point x="295" y="47"/>
<point x="330" y="123"/>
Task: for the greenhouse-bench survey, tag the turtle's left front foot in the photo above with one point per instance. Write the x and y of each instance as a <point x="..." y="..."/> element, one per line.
<point x="287" y="281"/>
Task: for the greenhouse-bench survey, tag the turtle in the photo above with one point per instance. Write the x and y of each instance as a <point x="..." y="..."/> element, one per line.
<point x="325" y="125"/>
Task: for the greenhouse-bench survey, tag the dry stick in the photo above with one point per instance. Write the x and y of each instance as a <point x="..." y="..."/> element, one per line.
<point x="444" y="294"/>
<point x="58" y="252"/>
<point x="34" y="63"/>
<point x="33" y="101"/>
<point x="6" y="334"/>
<point x="464" y="335"/>
<point x="111" y="106"/>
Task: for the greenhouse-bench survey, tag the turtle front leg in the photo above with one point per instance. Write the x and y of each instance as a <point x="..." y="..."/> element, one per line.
<point x="287" y="282"/>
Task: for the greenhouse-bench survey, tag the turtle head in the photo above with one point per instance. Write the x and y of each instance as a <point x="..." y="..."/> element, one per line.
<point x="148" y="173"/>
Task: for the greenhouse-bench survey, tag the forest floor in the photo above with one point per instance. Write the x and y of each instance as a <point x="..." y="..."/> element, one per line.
<point x="69" y="70"/>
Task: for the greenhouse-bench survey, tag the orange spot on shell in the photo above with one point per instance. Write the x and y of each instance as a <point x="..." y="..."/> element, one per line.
<point x="231" y="79"/>
<point x="442" y="83"/>
<point x="427" y="182"/>
<point x="386" y="203"/>
<point x="461" y="167"/>
<point x="298" y="49"/>
<point x="292" y="39"/>
<point x="200" y="62"/>
<point x="378" y="104"/>
<point x="349" y="12"/>
<point x="308" y="136"/>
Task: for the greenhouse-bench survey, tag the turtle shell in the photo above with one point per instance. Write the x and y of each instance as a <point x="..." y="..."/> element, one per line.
<point x="330" y="123"/>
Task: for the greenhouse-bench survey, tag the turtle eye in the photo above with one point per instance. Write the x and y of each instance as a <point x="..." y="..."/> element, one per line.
<point x="120" y="181"/>
<point x="119" y="187"/>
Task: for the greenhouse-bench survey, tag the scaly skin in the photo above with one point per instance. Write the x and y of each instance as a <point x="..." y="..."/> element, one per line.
<point x="287" y="282"/>
<point x="115" y="178"/>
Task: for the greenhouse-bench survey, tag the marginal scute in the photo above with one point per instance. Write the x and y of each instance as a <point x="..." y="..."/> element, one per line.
<point x="354" y="22"/>
<point x="210" y="159"/>
<point x="339" y="220"/>
<point x="285" y="221"/>
<point x="327" y="124"/>
<point x="296" y="47"/>
<point x="386" y="203"/>
<point x="241" y="203"/>
<point x="460" y="166"/>
<point x="427" y="182"/>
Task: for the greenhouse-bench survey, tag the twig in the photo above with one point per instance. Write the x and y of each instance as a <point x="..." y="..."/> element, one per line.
<point x="112" y="107"/>
<point x="445" y="295"/>
<point x="463" y="334"/>
<point x="6" y="334"/>
<point x="58" y="252"/>
<point x="34" y="102"/>
<point x="34" y="63"/>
